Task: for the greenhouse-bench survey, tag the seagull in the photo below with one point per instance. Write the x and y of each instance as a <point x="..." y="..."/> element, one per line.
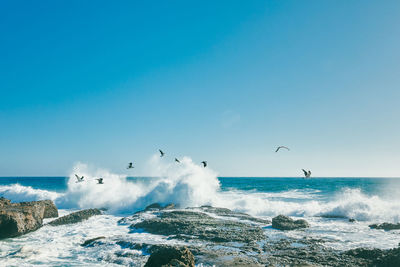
<point x="307" y="174"/>
<point x="204" y="163"/>
<point x="79" y="179"/>
<point x="279" y="147"/>
<point x="161" y="153"/>
<point x="177" y="160"/>
<point x="99" y="180"/>
<point x="130" y="166"/>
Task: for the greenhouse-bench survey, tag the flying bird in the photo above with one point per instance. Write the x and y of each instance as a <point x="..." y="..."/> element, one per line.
<point x="177" y="160"/>
<point x="204" y="163"/>
<point x="130" y="166"/>
<point x="100" y="181"/>
<point x="307" y="174"/>
<point x="79" y="179"/>
<point x="279" y="147"/>
<point x="161" y="153"/>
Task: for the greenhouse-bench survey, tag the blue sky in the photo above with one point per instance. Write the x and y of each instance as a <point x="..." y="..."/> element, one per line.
<point x="223" y="81"/>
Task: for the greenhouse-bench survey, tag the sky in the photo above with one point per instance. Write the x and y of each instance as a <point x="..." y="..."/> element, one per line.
<point x="107" y="83"/>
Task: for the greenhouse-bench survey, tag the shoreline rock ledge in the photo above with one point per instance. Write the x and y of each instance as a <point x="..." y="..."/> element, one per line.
<point x="75" y="217"/>
<point x="20" y="218"/>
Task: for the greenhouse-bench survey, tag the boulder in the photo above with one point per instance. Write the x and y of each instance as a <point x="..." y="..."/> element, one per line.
<point x="50" y="210"/>
<point x="283" y="222"/>
<point x="20" y="218"/>
<point x="386" y="226"/>
<point x="171" y="256"/>
<point x="75" y="217"/>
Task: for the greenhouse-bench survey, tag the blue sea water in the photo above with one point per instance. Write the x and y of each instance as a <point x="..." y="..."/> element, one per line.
<point x="326" y="203"/>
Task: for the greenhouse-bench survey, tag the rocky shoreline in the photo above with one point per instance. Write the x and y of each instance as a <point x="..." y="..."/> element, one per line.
<point x="201" y="235"/>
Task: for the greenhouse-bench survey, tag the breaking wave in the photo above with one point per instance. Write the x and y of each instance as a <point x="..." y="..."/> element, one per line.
<point x="188" y="184"/>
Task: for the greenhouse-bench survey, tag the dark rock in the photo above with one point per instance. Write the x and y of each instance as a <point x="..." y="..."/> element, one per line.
<point x="76" y="217"/>
<point x="158" y="206"/>
<point x="90" y="241"/>
<point x="153" y="206"/>
<point x="171" y="256"/>
<point x="377" y="257"/>
<point x="352" y="220"/>
<point x="20" y="218"/>
<point x="386" y="226"/>
<point x="187" y="224"/>
<point x="229" y="213"/>
<point x="283" y="222"/>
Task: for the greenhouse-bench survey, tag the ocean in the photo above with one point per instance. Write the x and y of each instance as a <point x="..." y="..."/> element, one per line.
<point x="326" y="203"/>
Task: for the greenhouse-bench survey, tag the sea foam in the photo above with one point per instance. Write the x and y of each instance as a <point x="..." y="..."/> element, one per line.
<point x="188" y="184"/>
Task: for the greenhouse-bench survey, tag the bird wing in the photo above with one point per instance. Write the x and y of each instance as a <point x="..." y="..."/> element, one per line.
<point x="305" y="172"/>
<point x="285" y="147"/>
<point x="278" y="149"/>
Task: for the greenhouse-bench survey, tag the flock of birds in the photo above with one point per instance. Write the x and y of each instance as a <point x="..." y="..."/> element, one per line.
<point x="130" y="166"/>
<point x="307" y="174"/>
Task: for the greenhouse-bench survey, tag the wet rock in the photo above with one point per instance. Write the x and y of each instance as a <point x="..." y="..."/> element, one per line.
<point x="171" y="256"/>
<point x="20" y="218"/>
<point x="90" y="242"/>
<point x="76" y="217"/>
<point x="377" y="257"/>
<point x="229" y="213"/>
<point x="189" y="224"/>
<point x="154" y="206"/>
<point x="282" y="222"/>
<point x="386" y="226"/>
<point x="158" y="206"/>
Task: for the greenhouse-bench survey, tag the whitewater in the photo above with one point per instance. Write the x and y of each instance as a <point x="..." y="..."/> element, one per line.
<point x="326" y="203"/>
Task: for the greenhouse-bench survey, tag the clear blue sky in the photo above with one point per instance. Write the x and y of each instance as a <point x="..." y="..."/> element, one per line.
<point x="224" y="81"/>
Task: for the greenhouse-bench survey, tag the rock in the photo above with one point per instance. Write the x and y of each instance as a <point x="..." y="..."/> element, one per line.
<point x="76" y="217"/>
<point x="4" y="202"/>
<point x="171" y="256"/>
<point x="169" y="206"/>
<point x="154" y="206"/>
<point x="90" y="241"/>
<point x="283" y="222"/>
<point x="188" y="224"/>
<point x="20" y="218"/>
<point x="158" y="206"/>
<point x="377" y="257"/>
<point x="386" y="226"/>
<point x="50" y="210"/>
<point x="390" y="258"/>
<point x="352" y="220"/>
